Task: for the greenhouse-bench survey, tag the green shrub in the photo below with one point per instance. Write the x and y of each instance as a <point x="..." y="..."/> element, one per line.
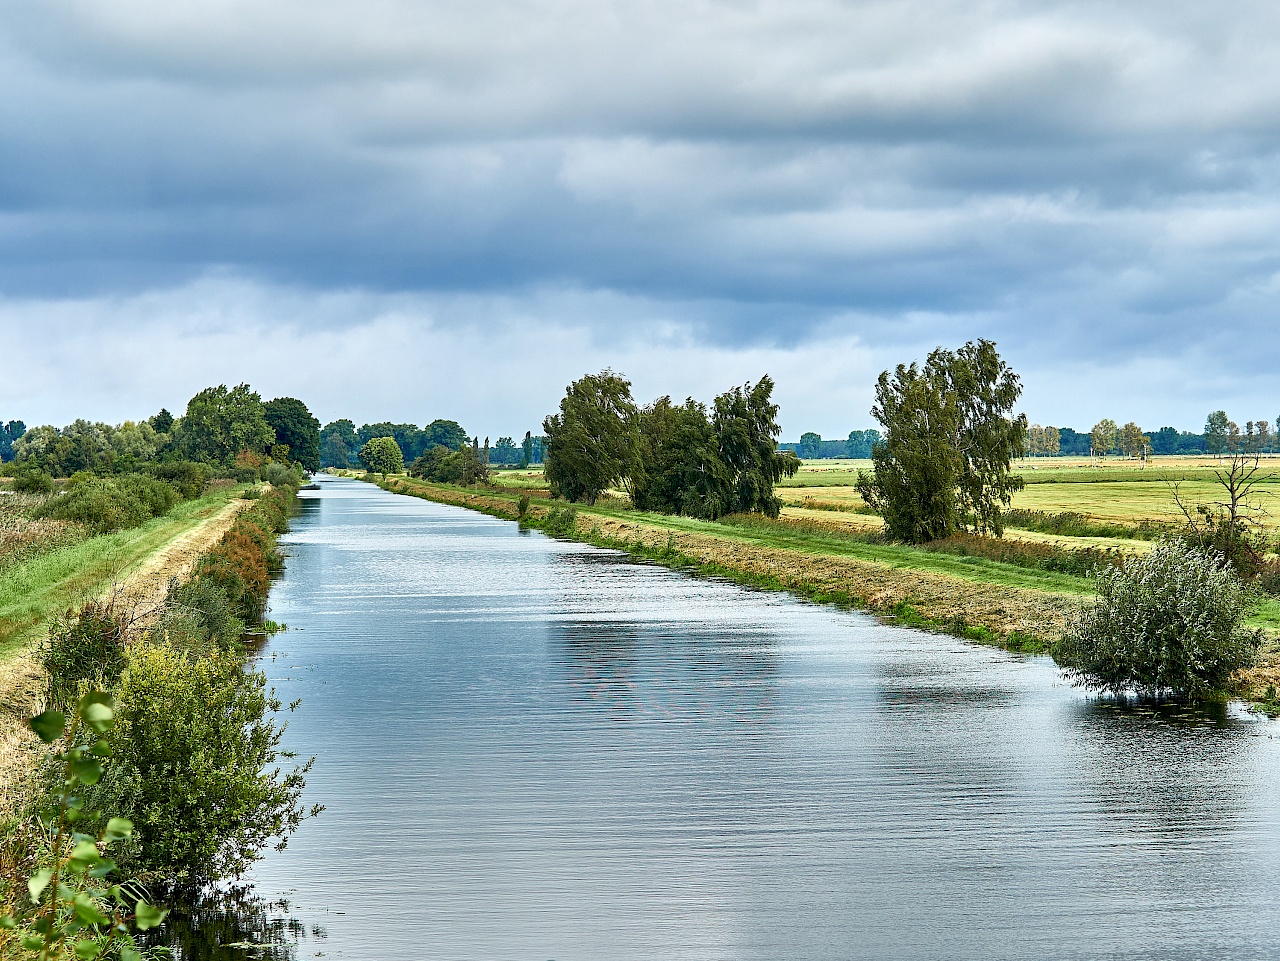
<point x="522" y="506"/>
<point x="104" y="505"/>
<point x="32" y="480"/>
<point x="244" y="475"/>
<point x="195" y="767"/>
<point x="1166" y="622"/>
<point x="281" y="475"/>
<point x="189" y="478"/>
<point x="156" y="495"/>
<point x="561" y="521"/>
<point x="198" y="616"/>
<point x="85" y="649"/>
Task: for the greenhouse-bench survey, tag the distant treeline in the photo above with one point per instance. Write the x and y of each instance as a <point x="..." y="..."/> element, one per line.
<point x="230" y="431"/>
<point x="341" y="442"/>
<point x="812" y="447"/>
<point x="1104" y="439"/>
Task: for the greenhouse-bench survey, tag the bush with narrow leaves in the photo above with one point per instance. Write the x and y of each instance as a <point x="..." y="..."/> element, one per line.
<point x="1165" y="622"/>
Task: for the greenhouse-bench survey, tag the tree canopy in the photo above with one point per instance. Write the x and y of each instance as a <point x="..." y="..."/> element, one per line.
<point x="945" y="461"/>
<point x="591" y="443"/>
<point x="676" y="459"/>
<point x="382" y="456"/>
<point x="296" y="429"/>
<point x="220" y="423"/>
<point x="338" y="443"/>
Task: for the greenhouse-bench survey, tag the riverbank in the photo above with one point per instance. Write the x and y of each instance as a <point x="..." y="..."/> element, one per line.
<point x="138" y="563"/>
<point x="988" y="602"/>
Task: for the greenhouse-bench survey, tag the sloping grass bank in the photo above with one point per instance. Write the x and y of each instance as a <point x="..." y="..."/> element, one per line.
<point x="1020" y="609"/>
<point x="32" y="592"/>
<point x="982" y="600"/>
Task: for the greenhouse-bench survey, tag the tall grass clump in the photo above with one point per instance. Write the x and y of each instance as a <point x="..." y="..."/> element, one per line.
<point x="1168" y="622"/>
<point x="85" y="650"/>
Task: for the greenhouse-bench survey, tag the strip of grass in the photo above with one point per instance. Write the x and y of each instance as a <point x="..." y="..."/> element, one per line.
<point x="977" y="569"/>
<point x="33" y="592"/>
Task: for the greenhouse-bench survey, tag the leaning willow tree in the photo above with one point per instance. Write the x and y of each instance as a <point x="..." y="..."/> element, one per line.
<point x="944" y="464"/>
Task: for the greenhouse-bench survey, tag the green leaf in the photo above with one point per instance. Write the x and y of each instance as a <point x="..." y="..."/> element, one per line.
<point x="148" y="916"/>
<point x="96" y="711"/>
<point x="86" y="770"/>
<point x="32" y="942"/>
<point x="87" y="911"/>
<point x="39" y="881"/>
<point x="85" y="853"/>
<point x="88" y="949"/>
<point x="130" y="954"/>
<point x="48" y="725"/>
<point x="7" y="923"/>
<point x="118" y="829"/>
<point x="105" y="867"/>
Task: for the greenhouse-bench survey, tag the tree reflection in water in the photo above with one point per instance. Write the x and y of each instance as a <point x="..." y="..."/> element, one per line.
<point x="233" y="925"/>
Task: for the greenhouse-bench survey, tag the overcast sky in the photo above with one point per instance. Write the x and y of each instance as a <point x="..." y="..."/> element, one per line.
<point x="410" y="209"/>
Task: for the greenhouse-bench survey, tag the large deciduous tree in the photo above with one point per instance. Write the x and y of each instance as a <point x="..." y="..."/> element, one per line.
<point x="1102" y="439"/>
<point x="950" y="438"/>
<point x="591" y="443"/>
<point x="220" y="423"/>
<point x="679" y="469"/>
<point x="1132" y="441"/>
<point x="382" y="455"/>
<point x="296" y="428"/>
<point x="338" y="444"/>
<point x="1217" y="428"/>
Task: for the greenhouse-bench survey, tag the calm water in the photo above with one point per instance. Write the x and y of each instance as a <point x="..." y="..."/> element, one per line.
<point x="532" y="749"/>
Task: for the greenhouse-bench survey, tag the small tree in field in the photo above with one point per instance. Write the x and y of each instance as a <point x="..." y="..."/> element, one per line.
<point x="1167" y="622"/>
<point x="945" y="461"/>
<point x="382" y="455"/>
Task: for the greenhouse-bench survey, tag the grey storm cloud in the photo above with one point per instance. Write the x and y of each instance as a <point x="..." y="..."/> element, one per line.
<point x="1063" y="177"/>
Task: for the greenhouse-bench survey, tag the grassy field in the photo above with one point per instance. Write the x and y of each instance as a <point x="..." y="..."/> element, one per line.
<point x="31" y="593"/>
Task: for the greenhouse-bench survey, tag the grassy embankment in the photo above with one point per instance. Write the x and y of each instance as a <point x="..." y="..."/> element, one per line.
<point x="33" y="591"/>
<point x="826" y="549"/>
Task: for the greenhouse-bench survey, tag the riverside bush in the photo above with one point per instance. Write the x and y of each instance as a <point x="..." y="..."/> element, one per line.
<point x="1166" y="622"/>
<point x="198" y="615"/>
<point x="196" y="767"/>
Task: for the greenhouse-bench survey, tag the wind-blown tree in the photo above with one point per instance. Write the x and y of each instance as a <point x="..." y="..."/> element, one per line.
<point x="745" y="421"/>
<point x="679" y="469"/>
<point x="945" y="462"/>
<point x="810" y="445"/>
<point x="382" y="455"/>
<point x="591" y="443"/>
<point x="295" y="428"/>
<point x="220" y="423"/>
